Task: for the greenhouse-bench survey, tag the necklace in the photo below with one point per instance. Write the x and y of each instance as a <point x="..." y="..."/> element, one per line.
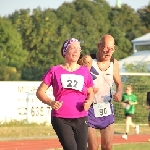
<point x="102" y="65"/>
<point x="70" y="68"/>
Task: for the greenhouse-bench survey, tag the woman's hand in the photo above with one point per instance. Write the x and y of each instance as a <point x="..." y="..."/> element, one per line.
<point x="87" y="105"/>
<point x="56" y="104"/>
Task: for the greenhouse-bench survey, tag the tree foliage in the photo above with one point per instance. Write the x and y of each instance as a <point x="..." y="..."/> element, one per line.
<point x="34" y="39"/>
<point x="39" y="38"/>
<point x="12" y="55"/>
<point x="144" y="15"/>
<point x="125" y="26"/>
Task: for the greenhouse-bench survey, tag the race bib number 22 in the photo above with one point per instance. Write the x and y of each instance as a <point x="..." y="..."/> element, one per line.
<point x="72" y="81"/>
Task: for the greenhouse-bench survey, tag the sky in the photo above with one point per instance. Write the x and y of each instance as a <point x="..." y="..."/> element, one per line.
<point x="9" y="6"/>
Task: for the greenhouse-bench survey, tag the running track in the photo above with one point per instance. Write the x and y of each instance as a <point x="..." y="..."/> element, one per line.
<point x="50" y="144"/>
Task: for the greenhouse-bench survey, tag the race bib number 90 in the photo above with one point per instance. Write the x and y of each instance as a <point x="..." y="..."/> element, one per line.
<point x="72" y="81"/>
<point x="102" y="109"/>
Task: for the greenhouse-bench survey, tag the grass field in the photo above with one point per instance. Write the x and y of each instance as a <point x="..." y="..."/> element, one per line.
<point x="137" y="146"/>
<point x="34" y="131"/>
<point x="44" y="131"/>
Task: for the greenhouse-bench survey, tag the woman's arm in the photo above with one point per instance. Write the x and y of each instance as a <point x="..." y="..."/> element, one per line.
<point x="41" y="95"/>
<point x="95" y="90"/>
<point x="90" y="98"/>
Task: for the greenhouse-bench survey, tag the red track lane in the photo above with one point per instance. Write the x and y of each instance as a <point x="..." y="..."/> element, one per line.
<point x="49" y="144"/>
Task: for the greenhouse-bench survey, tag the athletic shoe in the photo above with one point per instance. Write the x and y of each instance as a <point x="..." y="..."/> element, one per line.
<point x="137" y="129"/>
<point x="124" y="136"/>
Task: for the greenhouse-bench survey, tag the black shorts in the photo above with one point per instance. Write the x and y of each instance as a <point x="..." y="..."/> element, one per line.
<point x="129" y="115"/>
<point x="149" y="117"/>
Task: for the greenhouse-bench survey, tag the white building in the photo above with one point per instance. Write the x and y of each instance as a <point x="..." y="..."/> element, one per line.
<point x="141" y="52"/>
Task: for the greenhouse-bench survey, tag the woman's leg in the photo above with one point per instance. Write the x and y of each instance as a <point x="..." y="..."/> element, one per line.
<point x="128" y="123"/>
<point x="131" y="123"/>
<point x="64" y="132"/>
<point x="80" y="128"/>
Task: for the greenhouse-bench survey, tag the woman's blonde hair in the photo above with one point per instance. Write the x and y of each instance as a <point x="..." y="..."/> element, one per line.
<point x="129" y="86"/>
<point x="83" y="60"/>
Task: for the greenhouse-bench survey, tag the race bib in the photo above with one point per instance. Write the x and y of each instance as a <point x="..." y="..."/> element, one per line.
<point x="72" y="81"/>
<point x="102" y="109"/>
<point x="127" y="106"/>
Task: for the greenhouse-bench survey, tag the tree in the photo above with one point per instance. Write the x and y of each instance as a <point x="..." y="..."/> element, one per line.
<point x="143" y="67"/>
<point x="122" y="44"/>
<point x="144" y="14"/>
<point x="12" y="55"/>
<point x="85" y="21"/>
<point x="125" y="26"/>
<point x="127" y="20"/>
<point x="9" y="73"/>
<point x="39" y="34"/>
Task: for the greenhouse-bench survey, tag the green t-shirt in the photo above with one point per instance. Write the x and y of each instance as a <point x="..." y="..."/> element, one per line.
<point x="129" y="109"/>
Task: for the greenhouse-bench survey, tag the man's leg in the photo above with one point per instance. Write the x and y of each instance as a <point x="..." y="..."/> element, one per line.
<point x="92" y="139"/>
<point x="107" y="137"/>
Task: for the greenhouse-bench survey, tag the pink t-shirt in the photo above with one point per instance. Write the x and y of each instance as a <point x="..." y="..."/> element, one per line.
<point x="69" y="87"/>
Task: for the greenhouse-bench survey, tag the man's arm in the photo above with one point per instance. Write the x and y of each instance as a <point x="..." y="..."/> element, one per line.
<point x="117" y="79"/>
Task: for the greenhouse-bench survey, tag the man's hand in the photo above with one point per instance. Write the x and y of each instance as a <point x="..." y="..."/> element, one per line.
<point x="117" y="96"/>
<point x="147" y="107"/>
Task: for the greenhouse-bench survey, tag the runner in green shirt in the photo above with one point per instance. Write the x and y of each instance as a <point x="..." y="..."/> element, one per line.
<point x="129" y="100"/>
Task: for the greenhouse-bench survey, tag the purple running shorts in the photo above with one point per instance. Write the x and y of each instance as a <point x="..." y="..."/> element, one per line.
<point x="99" y="122"/>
